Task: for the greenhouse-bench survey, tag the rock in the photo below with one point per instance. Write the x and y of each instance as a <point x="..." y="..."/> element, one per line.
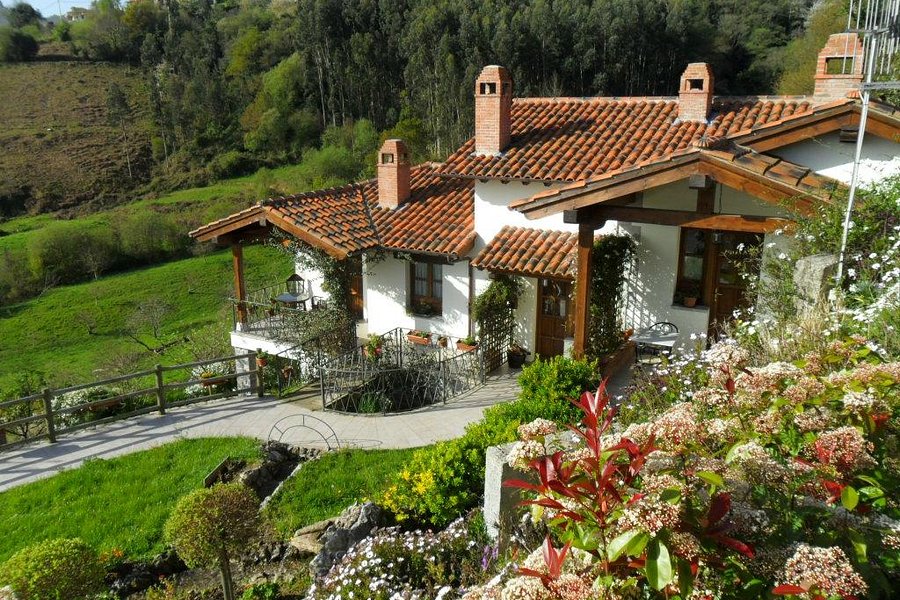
<point x="167" y="563"/>
<point x="6" y="593"/>
<point x="352" y="526"/>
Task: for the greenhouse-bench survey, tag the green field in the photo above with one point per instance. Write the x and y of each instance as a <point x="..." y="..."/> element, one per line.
<point x="121" y="503"/>
<point x="50" y="333"/>
<point x="325" y="487"/>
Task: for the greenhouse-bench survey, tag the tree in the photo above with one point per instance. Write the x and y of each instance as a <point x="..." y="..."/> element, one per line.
<point x="22" y="15"/>
<point x="118" y="112"/>
<point x="208" y="526"/>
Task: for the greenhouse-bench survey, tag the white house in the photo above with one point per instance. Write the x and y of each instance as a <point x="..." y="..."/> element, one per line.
<point x="689" y="177"/>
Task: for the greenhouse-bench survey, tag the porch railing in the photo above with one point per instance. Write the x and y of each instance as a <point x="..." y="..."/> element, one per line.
<point x="399" y="375"/>
<point x="298" y="366"/>
<point x="267" y="317"/>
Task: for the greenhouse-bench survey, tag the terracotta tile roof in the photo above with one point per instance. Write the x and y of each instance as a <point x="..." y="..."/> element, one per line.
<point x="570" y="139"/>
<point x="532" y="252"/>
<point x="438" y="217"/>
<point x="800" y="183"/>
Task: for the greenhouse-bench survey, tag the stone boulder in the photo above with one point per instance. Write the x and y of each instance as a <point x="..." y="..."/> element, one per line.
<point x="352" y="526"/>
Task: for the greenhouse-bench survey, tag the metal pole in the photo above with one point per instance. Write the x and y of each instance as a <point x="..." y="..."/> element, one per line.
<point x="854" y="179"/>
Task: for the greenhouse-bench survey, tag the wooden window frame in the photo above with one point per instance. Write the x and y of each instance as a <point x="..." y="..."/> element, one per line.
<point x="681" y="283"/>
<point x="435" y="302"/>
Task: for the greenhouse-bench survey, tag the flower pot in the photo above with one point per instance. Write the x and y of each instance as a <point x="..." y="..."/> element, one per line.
<point x="417" y="339"/>
<point x="515" y="360"/>
<point x="690" y="302"/>
<point x="463" y="347"/>
<point x="442" y="342"/>
<point x="261" y="362"/>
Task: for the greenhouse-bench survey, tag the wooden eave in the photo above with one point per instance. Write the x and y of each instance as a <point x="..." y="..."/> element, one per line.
<point x="883" y="121"/>
<point x="770" y="179"/>
<point x="254" y="216"/>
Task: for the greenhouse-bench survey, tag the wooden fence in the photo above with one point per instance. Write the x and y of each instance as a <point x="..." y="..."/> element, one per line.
<point x="25" y="419"/>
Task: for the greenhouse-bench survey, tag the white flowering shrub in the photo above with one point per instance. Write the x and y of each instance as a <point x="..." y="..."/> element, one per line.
<point x="396" y="564"/>
<point x="774" y="480"/>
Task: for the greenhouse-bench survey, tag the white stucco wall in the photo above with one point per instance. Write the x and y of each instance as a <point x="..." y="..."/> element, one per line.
<point x="386" y="291"/>
<point x="828" y="156"/>
<point x="492" y="211"/>
<point x="651" y="288"/>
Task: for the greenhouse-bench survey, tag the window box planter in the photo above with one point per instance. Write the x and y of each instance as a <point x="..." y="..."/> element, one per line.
<point x="422" y="338"/>
<point x="464" y="347"/>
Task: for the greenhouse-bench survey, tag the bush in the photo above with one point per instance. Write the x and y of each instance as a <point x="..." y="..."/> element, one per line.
<point x="228" y="164"/>
<point x="552" y="384"/>
<point x="447" y="479"/>
<point x="16" y="46"/>
<point x="57" y="569"/>
<point x="208" y="526"/>
<point x="150" y="237"/>
<point x="69" y="252"/>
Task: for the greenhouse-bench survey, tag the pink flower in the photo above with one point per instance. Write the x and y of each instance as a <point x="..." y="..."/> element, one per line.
<point x="844" y="448"/>
<point x="825" y="569"/>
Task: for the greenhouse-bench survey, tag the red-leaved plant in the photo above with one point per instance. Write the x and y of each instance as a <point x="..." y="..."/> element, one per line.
<point x="597" y="499"/>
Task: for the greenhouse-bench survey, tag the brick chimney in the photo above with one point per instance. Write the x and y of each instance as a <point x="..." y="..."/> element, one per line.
<point x="695" y="95"/>
<point x="840" y="67"/>
<point x="493" y="104"/>
<point x="393" y="174"/>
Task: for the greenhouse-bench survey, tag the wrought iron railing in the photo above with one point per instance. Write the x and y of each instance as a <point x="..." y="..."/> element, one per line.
<point x="265" y="316"/>
<point x="298" y="366"/>
<point x="398" y="375"/>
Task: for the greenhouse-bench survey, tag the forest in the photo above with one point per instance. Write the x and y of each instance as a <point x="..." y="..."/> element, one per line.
<point x="237" y="85"/>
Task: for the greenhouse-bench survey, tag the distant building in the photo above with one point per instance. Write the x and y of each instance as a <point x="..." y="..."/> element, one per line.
<point x="77" y="14"/>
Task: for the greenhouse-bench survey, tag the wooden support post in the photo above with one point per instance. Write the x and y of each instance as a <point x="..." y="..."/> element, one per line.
<point x="160" y="391"/>
<point x="48" y="412"/>
<point x="240" y="290"/>
<point x="583" y="288"/>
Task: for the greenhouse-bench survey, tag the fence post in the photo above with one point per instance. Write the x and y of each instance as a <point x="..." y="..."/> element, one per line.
<point x="258" y="370"/>
<point x="48" y="412"/>
<point x="322" y="385"/>
<point x="160" y="391"/>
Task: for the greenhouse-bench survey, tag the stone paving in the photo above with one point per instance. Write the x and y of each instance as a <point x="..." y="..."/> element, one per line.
<point x="255" y="417"/>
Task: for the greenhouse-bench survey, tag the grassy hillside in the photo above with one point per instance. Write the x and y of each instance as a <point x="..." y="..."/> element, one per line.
<point x="57" y="147"/>
<point x="77" y="333"/>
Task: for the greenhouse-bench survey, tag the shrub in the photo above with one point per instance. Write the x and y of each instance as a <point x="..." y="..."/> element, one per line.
<point x="209" y="525"/>
<point x="149" y="238"/>
<point x="16" y="46"/>
<point x="769" y="480"/>
<point x="56" y="569"/>
<point x="447" y="479"/>
<point x="228" y="164"/>
<point x="552" y="384"/>
<point x="261" y="591"/>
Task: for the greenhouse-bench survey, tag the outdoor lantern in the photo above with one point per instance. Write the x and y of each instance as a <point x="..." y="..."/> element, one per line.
<point x="295" y="285"/>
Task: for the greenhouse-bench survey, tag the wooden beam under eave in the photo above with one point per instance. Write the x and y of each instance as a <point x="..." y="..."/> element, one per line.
<point x="779" y="137"/>
<point x="240" y="288"/>
<point x="639" y="180"/>
<point x="583" y="288"/>
<point x="694" y="220"/>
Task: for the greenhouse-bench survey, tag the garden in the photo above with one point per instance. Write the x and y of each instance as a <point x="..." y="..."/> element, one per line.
<point x="763" y="465"/>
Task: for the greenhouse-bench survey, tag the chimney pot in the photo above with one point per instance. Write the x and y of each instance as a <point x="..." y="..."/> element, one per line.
<point x="493" y="105"/>
<point x="839" y="70"/>
<point x="393" y="174"/>
<point x="695" y="94"/>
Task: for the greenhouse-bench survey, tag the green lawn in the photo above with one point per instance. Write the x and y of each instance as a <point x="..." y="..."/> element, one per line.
<point x="325" y="487"/>
<point x="50" y="333"/>
<point x="121" y="503"/>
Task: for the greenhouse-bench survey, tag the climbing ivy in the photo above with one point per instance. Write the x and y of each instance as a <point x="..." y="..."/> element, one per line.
<point x="611" y="257"/>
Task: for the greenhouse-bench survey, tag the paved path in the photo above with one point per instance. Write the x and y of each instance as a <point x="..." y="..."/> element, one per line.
<point x="255" y="417"/>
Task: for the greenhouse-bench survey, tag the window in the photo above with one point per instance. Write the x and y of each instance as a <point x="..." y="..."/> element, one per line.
<point x="427" y="285"/>
<point x="387" y="158"/>
<point x="691" y="263"/>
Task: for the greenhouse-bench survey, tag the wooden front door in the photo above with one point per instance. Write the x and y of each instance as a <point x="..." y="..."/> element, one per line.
<point x="356" y="287"/>
<point x="554" y="323"/>
<point x="730" y="289"/>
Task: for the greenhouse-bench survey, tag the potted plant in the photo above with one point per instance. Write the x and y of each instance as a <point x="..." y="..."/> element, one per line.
<point x="515" y="356"/>
<point x="467" y="343"/>
<point x="262" y="358"/>
<point x="442" y="341"/>
<point x="690" y="295"/>
<point x="373" y="348"/>
<point x="419" y="336"/>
